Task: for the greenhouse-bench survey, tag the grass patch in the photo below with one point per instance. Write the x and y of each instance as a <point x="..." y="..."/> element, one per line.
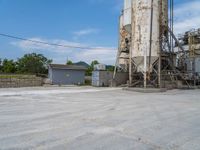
<point x="17" y="76"/>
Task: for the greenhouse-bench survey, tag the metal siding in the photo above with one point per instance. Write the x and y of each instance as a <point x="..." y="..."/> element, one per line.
<point x="68" y="77"/>
<point x="95" y="78"/>
<point x="101" y="78"/>
<point x="197" y="65"/>
<point x="50" y="75"/>
<point x="104" y="78"/>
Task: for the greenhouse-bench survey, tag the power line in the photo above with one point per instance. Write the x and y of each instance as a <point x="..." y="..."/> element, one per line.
<point x="51" y="44"/>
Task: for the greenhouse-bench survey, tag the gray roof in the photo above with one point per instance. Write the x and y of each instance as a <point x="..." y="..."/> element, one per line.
<point x="67" y="67"/>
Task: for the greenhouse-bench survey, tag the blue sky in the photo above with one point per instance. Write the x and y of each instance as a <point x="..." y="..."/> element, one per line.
<point x="73" y="22"/>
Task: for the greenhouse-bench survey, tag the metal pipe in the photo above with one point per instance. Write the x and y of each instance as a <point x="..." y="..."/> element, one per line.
<point x="172" y="28"/>
<point x="118" y="53"/>
<point x="131" y="47"/>
<point x="145" y="69"/>
<point x="160" y="42"/>
<point x="150" y="42"/>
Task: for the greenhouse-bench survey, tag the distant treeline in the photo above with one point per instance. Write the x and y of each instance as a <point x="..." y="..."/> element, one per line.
<point x="90" y="67"/>
<point x="28" y="64"/>
<point x="37" y="64"/>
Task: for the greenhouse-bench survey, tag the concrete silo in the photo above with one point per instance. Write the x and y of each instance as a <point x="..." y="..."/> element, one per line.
<point x="149" y="50"/>
<point x="145" y="21"/>
<point x="149" y="18"/>
<point x="125" y="35"/>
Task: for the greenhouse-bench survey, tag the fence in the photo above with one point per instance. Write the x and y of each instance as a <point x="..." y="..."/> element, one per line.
<point x="14" y="81"/>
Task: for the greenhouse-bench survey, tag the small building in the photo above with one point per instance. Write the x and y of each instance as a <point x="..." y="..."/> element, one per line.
<point x="102" y="78"/>
<point x="66" y="74"/>
<point x="101" y="67"/>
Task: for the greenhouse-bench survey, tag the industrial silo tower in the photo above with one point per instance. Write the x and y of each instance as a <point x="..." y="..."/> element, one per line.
<point x="144" y="39"/>
<point x="149" y="50"/>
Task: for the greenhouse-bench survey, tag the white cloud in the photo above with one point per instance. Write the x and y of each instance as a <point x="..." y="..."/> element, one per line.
<point x="187" y="16"/>
<point x="28" y="45"/>
<point x="105" y="55"/>
<point x="85" y="32"/>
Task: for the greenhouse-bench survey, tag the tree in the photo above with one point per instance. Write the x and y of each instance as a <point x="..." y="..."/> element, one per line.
<point x="91" y="68"/>
<point x="33" y="63"/>
<point x="110" y="68"/>
<point x="93" y="63"/>
<point x="8" y="66"/>
<point x="69" y="62"/>
<point x="0" y="65"/>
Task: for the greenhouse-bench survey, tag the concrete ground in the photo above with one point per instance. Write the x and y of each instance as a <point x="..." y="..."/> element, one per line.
<point x="85" y="118"/>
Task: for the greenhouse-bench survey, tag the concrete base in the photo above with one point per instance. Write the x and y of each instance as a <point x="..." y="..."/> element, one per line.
<point x="147" y="90"/>
<point x="86" y="118"/>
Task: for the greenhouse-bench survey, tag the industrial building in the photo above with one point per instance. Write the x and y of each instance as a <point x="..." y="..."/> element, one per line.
<point x="150" y="52"/>
<point x="66" y="74"/>
<point x="103" y="78"/>
<point x="190" y="41"/>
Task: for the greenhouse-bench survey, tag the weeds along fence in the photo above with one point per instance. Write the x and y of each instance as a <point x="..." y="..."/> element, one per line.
<point x="15" y="81"/>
